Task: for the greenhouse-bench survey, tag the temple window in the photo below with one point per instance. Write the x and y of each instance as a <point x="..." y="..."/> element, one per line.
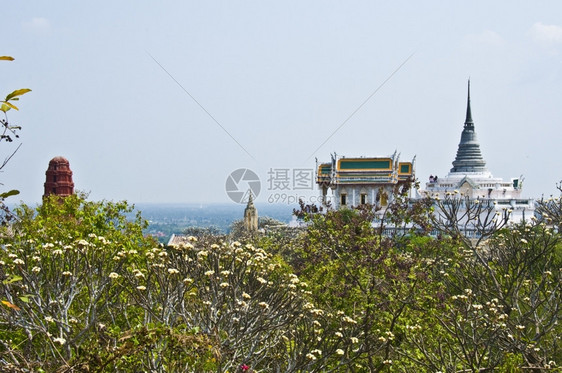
<point x="343" y="199"/>
<point x="363" y="198"/>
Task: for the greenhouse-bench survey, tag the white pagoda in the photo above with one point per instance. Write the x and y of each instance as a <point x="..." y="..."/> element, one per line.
<point x="470" y="177"/>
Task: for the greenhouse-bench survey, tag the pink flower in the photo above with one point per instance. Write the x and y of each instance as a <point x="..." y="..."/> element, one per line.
<point x="244" y="368"/>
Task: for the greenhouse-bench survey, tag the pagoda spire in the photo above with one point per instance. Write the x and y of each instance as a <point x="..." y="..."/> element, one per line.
<point x="468" y="119"/>
<point x="469" y="157"/>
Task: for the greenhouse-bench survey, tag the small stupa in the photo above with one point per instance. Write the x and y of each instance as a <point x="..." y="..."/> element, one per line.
<point x="251" y="215"/>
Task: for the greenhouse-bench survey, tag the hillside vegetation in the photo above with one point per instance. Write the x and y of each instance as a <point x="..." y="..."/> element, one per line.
<point x="83" y="289"/>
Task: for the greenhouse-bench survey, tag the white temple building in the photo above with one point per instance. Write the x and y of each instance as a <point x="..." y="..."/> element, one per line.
<point x="470" y="177"/>
<point x="358" y="181"/>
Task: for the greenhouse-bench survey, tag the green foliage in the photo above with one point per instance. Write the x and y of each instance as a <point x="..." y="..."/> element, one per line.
<point x="83" y="289"/>
<point x="438" y="304"/>
<point x="63" y="255"/>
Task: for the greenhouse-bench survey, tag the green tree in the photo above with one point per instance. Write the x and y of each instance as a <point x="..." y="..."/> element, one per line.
<point x="58" y="263"/>
<point x="377" y="275"/>
<point x="84" y="289"/>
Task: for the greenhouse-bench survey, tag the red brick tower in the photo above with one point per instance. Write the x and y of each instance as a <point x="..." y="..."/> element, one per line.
<point x="59" y="178"/>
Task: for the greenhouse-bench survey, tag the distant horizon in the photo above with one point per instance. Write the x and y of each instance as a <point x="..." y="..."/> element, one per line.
<point x="259" y="202"/>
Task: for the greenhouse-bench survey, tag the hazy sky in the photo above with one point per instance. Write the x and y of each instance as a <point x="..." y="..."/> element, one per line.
<point x="279" y="77"/>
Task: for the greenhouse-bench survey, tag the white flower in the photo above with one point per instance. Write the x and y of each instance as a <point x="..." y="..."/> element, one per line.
<point x="202" y="253"/>
<point x="141" y="287"/>
<point x="67" y="273"/>
<point x="224" y="285"/>
<point x="57" y="252"/>
<point x="354" y="340"/>
<point x="310" y="356"/>
<point x="339" y="351"/>
<point x="49" y="319"/>
<point x="262" y="280"/>
<point x="60" y="340"/>
<point x="173" y="271"/>
<point x="19" y="261"/>
<point x="263" y="305"/>
<point x="225" y="273"/>
<point x="36" y="269"/>
<point x="113" y="275"/>
<point x="338" y="334"/>
<point x="520" y="327"/>
<point x="187" y="280"/>
<point x="209" y="273"/>
<point x="246" y="295"/>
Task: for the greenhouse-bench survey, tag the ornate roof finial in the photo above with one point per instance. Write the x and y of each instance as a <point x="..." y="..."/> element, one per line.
<point x="250" y="198"/>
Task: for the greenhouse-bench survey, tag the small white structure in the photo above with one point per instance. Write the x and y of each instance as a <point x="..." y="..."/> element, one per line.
<point x="470" y="177"/>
